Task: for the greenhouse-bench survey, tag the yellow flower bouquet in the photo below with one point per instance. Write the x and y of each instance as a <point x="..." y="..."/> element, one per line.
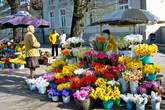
<point x="67" y="53"/>
<point x="58" y="64"/>
<point x="145" y="49"/>
<point x="2" y="62"/>
<point x="152" y="69"/>
<point x="69" y="69"/>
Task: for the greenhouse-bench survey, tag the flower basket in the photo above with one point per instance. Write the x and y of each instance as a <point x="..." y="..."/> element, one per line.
<point x="86" y="104"/>
<point x="124" y="85"/>
<point x="32" y="87"/>
<point x="151" y="77"/>
<point x="129" y="105"/>
<point x="117" y="101"/>
<point x="66" y="99"/>
<point x="41" y="90"/>
<point x="108" y="104"/>
<point x="2" y="66"/>
<point x="133" y="87"/>
<point x="55" y="98"/>
<point x="140" y="106"/>
<point x="146" y="59"/>
<point x="11" y="65"/>
<point x="155" y="106"/>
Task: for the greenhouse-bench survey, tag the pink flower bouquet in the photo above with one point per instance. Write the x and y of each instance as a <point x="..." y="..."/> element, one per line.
<point x="49" y="77"/>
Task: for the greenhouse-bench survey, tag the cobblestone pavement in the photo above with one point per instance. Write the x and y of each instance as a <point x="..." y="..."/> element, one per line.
<point x="14" y="94"/>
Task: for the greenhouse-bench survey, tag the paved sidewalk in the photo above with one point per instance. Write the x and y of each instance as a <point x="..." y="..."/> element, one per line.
<point x="14" y="94"/>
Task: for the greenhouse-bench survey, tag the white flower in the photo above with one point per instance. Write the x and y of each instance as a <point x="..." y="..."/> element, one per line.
<point x="134" y="38"/>
<point x="41" y="83"/>
<point x="140" y="99"/>
<point x="79" y="71"/>
<point x="113" y="83"/>
<point x="155" y="97"/>
<point x="31" y="81"/>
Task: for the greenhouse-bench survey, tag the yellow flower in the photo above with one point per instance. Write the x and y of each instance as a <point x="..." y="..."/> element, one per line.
<point x="152" y="69"/>
<point x="67" y="85"/>
<point x="60" y="87"/>
<point x="59" y="75"/>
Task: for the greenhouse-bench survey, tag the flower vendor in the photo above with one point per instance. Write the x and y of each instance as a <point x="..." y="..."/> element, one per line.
<point x="31" y="50"/>
<point x="54" y="40"/>
<point x="111" y="44"/>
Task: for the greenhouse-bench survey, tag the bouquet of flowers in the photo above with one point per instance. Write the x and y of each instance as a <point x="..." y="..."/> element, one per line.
<point x="89" y="72"/>
<point x="91" y="55"/>
<point x="152" y="69"/>
<point x="61" y="86"/>
<point x="67" y="53"/>
<point x="113" y="83"/>
<point x="88" y="80"/>
<point x="83" y="93"/>
<point x="60" y="80"/>
<point x="49" y="77"/>
<point x="54" y="92"/>
<point x="2" y="62"/>
<point x="84" y="64"/>
<point x="122" y="44"/>
<point x="58" y="64"/>
<point x="140" y="99"/>
<point x="155" y="98"/>
<point x="69" y="69"/>
<point x="79" y="72"/>
<point x="31" y="81"/>
<point x="99" y="44"/>
<point x="102" y="58"/>
<point x="127" y="97"/>
<point x="49" y="69"/>
<point x="73" y="42"/>
<point x="145" y="49"/>
<point x="114" y="58"/>
<point x="66" y="92"/>
<point x="81" y="53"/>
<point x="133" y="76"/>
<point x="119" y="69"/>
<point x="134" y="38"/>
<point x="76" y="83"/>
<point x="41" y="83"/>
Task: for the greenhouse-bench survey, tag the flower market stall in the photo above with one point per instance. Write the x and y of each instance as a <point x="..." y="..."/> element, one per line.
<point x="102" y="78"/>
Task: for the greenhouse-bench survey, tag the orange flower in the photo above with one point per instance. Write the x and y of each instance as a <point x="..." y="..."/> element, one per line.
<point x="66" y="51"/>
<point x="101" y="38"/>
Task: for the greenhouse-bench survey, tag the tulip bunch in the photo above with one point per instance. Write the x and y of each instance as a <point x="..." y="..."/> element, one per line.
<point x="67" y="53"/>
<point x="99" y="44"/>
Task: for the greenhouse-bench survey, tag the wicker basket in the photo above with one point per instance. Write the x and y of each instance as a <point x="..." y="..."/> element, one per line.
<point x="86" y="104"/>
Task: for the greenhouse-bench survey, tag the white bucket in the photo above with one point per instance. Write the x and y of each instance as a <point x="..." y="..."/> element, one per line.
<point x="32" y="87"/>
<point x="55" y="98"/>
<point x="66" y="99"/>
<point x="41" y="90"/>
<point x="155" y="106"/>
<point x="140" y="106"/>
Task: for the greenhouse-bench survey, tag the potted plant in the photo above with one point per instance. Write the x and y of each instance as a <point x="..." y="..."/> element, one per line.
<point x="67" y="54"/>
<point x="140" y="101"/>
<point x="41" y="84"/>
<point x="66" y="93"/>
<point x="155" y="101"/>
<point x="54" y="94"/>
<point x="31" y="83"/>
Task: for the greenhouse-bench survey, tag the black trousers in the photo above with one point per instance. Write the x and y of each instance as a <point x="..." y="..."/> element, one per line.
<point x="56" y="47"/>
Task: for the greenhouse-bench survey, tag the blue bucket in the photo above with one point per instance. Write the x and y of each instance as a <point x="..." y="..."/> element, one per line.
<point x="151" y="77"/>
<point x="2" y="66"/>
<point x="17" y="66"/>
<point x="146" y="59"/>
<point x="12" y="66"/>
<point x="108" y="104"/>
<point x="129" y="105"/>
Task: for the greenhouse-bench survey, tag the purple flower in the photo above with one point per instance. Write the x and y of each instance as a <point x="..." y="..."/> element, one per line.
<point x="142" y="89"/>
<point x="53" y="92"/>
<point x="66" y="92"/>
<point x="49" y="77"/>
<point x="81" y="94"/>
<point x="147" y="84"/>
<point x="53" y="86"/>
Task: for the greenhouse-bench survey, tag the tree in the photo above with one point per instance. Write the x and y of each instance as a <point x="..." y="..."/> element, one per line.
<point x="14" y="4"/>
<point x="80" y="9"/>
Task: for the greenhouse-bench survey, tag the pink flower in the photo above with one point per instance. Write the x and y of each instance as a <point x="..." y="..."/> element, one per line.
<point x="49" y="77"/>
<point x="102" y="55"/>
<point x="94" y="52"/>
<point x="141" y="89"/>
<point x="88" y="73"/>
<point x="88" y="54"/>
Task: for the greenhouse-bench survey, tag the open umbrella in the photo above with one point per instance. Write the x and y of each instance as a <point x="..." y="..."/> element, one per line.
<point x="24" y="21"/>
<point x="128" y="17"/>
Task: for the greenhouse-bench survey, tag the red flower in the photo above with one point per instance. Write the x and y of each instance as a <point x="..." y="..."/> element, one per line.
<point x="89" y="79"/>
<point x="82" y="63"/>
<point x="110" y="75"/>
<point x="63" y="80"/>
<point x="95" y="63"/>
<point x="58" y="70"/>
<point x="77" y="85"/>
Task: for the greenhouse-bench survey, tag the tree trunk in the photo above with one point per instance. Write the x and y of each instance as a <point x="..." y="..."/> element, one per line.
<point x="80" y="8"/>
<point x="14" y="4"/>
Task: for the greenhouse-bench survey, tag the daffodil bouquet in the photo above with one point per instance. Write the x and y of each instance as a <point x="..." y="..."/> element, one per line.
<point x="67" y="53"/>
<point x="145" y="49"/>
<point x="99" y="44"/>
<point x="58" y="64"/>
<point x="152" y="69"/>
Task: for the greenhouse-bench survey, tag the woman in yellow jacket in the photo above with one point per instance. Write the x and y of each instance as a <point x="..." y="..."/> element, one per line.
<point x="111" y="44"/>
<point x="54" y="40"/>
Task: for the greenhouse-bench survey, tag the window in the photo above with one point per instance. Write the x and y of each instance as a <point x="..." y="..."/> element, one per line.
<point x="50" y="2"/>
<point x="123" y="4"/>
<point x="52" y="19"/>
<point x="63" y="17"/>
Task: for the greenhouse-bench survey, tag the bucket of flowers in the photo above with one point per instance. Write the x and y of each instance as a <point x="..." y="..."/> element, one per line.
<point x="140" y="101"/>
<point x="155" y="100"/>
<point x="31" y="83"/>
<point x="82" y="98"/>
<point x="145" y="51"/>
<point x="68" y="56"/>
<point x="66" y="93"/>
<point x="151" y="71"/>
<point x="41" y="84"/>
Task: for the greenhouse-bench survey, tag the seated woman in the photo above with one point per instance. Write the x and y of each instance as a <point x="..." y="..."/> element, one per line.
<point x="111" y="44"/>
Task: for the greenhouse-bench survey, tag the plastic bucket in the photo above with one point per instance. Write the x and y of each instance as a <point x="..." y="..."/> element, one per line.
<point x="108" y="104"/>
<point x="129" y="105"/>
<point x="146" y="59"/>
<point x="151" y="77"/>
